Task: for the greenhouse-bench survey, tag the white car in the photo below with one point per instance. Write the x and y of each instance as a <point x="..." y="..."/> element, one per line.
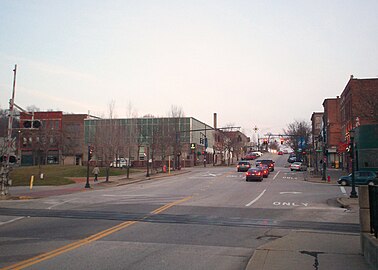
<point x="120" y="163"/>
<point x="258" y="154"/>
<point x="298" y="166"/>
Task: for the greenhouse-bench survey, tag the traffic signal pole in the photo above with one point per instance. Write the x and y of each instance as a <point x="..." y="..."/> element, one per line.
<point x="5" y="166"/>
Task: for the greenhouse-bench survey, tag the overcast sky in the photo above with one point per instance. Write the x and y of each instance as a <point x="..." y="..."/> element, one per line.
<point x="255" y="63"/>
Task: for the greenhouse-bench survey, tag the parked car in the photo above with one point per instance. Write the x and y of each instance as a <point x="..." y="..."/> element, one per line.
<point x="293" y="159"/>
<point x="258" y="154"/>
<point x="243" y="166"/>
<point x="265" y="170"/>
<point x="298" y="166"/>
<point x="250" y="156"/>
<point x="254" y="174"/>
<point x="268" y="162"/>
<point x="360" y="178"/>
<point x="120" y="163"/>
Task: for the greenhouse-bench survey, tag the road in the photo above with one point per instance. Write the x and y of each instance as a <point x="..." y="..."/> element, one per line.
<point x="210" y="218"/>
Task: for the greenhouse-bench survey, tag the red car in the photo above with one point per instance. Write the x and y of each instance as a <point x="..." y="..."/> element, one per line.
<point x="250" y="157"/>
<point x="254" y="174"/>
<point x="265" y="170"/>
<point x="280" y="153"/>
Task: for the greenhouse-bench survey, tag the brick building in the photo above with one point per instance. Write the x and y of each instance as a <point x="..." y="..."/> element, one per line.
<point x="332" y="130"/>
<point x="359" y="104"/>
<point x="59" y="139"/>
<point x="73" y="139"/>
<point x="358" y="107"/>
<point x="41" y="145"/>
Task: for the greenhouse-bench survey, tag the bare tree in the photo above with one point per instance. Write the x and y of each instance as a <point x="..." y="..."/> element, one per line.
<point x="231" y="142"/>
<point x="297" y="132"/>
<point x="107" y="139"/>
<point x="131" y="112"/>
<point x="32" y="108"/>
<point x="177" y="113"/>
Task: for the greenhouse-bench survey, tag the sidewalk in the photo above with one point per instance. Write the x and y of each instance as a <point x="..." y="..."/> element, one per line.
<point x="313" y="250"/>
<point x="302" y="250"/>
<point x="332" y="175"/>
<point x="25" y="193"/>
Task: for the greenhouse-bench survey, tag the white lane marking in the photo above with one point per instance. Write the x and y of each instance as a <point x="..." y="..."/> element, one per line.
<point x="289" y="204"/>
<point x="52" y="206"/>
<point x="12" y="220"/>
<point x="276" y="175"/>
<point x="211" y="174"/>
<point x="255" y="200"/>
<point x="123" y="195"/>
<point x="290" y="192"/>
<point x="343" y="190"/>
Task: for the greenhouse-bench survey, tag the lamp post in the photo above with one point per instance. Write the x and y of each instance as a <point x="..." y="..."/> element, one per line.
<point x="148" y="162"/>
<point x="353" y="193"/>
<point x="87" y="185"/>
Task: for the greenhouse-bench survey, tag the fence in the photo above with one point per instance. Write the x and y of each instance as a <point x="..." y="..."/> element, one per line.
<point x="373" y="203"/>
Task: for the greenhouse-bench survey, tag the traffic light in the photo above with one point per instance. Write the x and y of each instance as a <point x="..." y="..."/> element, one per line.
<point x="282" y="141"/>
<point x="90" y="153"/>
<point x="12" y="159"/>
<point x="32" y="124"/>
<point x="201" y="141"/>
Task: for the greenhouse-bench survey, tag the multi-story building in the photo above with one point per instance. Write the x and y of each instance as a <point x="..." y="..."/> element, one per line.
<point x="358" y="107"/>
<point x="359" y="104"/>
<point x="41" y="145"/>
<point x="185" y="141"/>
<point x="58" y="140"/>
<point x="73" y="146"/>
<point x="332" y="131"/>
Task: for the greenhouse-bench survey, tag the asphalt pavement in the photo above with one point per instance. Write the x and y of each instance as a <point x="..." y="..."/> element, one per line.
<point x="299" y="249"/>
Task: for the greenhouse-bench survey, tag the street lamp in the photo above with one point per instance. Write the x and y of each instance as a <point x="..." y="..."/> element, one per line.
<point x="87" y="185"/>
<point x="353" y="193"/>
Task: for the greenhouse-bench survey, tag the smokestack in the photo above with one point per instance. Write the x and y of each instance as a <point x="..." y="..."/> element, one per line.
<point x="215" y="120"/>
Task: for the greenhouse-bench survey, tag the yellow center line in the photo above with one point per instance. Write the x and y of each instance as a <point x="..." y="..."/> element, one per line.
<point x="165" y="207"/>
<point x="87" y="240"/>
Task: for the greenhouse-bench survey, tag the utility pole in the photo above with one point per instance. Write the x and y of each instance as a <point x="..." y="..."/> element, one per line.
<point x="255" y="129"/>
<point x="5" y="166"/>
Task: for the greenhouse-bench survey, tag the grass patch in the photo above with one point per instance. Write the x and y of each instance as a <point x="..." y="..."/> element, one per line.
<point x="56" y="175"/>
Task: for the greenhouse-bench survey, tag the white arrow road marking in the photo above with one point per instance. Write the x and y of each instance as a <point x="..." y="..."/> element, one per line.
<point x="60" y="203"/>
<point x="290" y="192"/>
<point x="343" y="190"/>
<point x="211" y="174"/>
<point x="10" y="221"/>
<point x="276" y="175"/>
<point x="255" y="200"/>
